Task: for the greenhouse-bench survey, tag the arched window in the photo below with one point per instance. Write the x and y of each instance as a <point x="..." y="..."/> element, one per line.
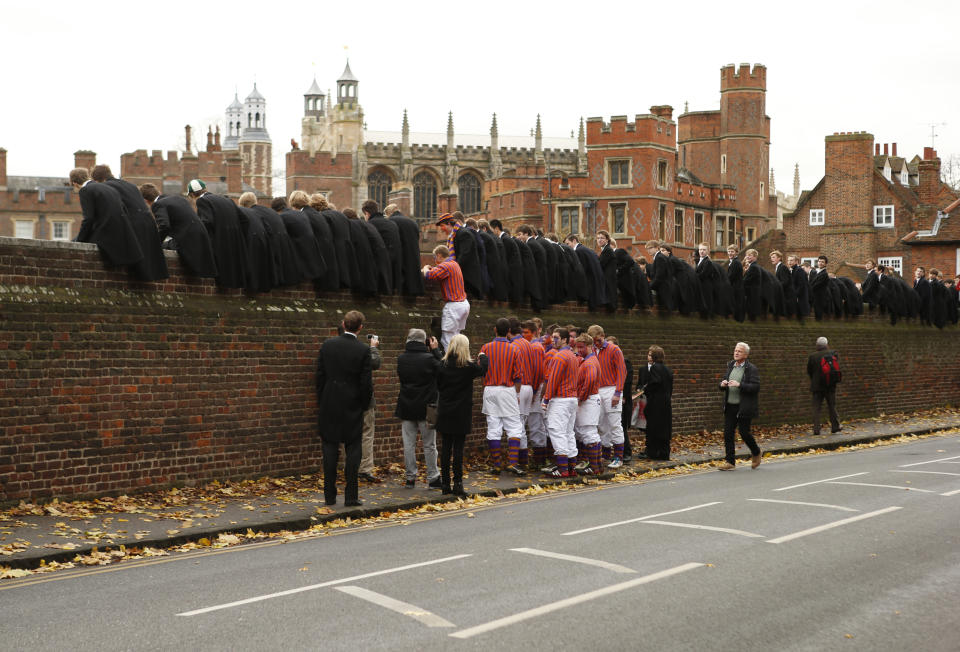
<point x="424" y="196"/>
<point x="378" y="187"/>
<point x="249" y="119"/>
<point x="258" y="119"/>
<point x="469" y="186"/>
<point x="238" y="127"/>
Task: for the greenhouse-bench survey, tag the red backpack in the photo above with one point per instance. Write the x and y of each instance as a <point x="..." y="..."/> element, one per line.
<point x="830" y="369"/>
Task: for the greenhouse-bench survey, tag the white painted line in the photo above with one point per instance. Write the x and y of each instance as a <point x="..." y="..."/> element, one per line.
<point x="930" y="472"/>
<point x="616" y="568"/>
<point x="428" y="618"/>
<point x="942" y="459"/>
<point x="821" y="528"/>
<point x="569" y="602"/>
<point x="197" y="612"/>
<point x="635" y="520"/>
<point x="806" y="484"/>
<point x="797" y="502"/>
<point x="951" y="493"/>
<point x="694" y="526"/>
<point x="884" y="486"/>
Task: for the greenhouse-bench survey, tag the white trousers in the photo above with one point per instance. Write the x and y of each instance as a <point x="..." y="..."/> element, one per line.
<point x="561" y="416"/>
<point x="588" y="416"/>
<point x="611" y="423"/>
<point x="453" y="319"/>
<point x="502" y="409"/>
<point x="536" y="427"/>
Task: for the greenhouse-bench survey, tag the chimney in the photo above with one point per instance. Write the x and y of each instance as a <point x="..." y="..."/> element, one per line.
<point x="876" y="149"/>
<point x="929" y="153"/>
<point x="210" y="139"/>
<point x="886" y="149"/>
<point x="234" y="170"/>
<point x="3" y="168"/>
<point x="84" y="158"/>
<point x="216" y="140"/>
<point x="664" y="111"/>
<point x="894" y="149"/>
<point x="187" y="129"/>
<point x="929" y="184"/>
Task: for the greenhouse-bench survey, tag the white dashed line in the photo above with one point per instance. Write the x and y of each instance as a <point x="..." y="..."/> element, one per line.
<point x="828" y="526"/>
<point x="942" y="459"/>
<point x="637" y="520"/>
<point x="930" y="472"/>
<point x="807" y="484"/>
<point x="428" y="618"/>
<point x="616" y="568"/>
<point x="885" y="486"/>
<point x="797" y="502"/>
<point x="694" y="526"/>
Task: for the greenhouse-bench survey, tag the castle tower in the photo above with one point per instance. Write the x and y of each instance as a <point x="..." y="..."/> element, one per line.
<point x="346" y="119"/>
<point x="234" y="126"/>
<point x="745" y="137"/>
<point x="314" y="127"/>
<point x="256" y="148"/>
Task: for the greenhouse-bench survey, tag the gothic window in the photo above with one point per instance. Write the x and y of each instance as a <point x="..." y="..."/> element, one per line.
<point x="424" y="195"/>
<point x="378" y="187"/>
<point x="469" y="186"/>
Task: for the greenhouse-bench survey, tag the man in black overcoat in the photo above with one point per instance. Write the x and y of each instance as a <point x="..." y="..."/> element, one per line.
<point x="784" y="277"/>
<point x="344" y="389"/>
<point x="740" y="387"/>
<point x="310" y="260"/>
<point x="821" y="389"/>
<point x="104" y="220"/>
<point x="514" y="262"/>
<point x="922" y="287"/>
<point x="262" y="271"/>
<point x="801" y="286"/>
<point x="365" y="282"/>
<point x="463" y="249"/>
<point x="285" y="261"/>
<point x="496" y="263"/>
<point x="411" y="278"/>
<point x="573" y="275"/>
<point x="330" y="279"/>
<point x="531" y="273"/>
<point x="153" y="266"/>
<point x="596" y="285"/>
<point x="820" y="289"/>
<point x="342" y="244"/>
<point x="608" y="265"/>
<point x="735" y="279"/>
<point x="486" y="280"/>
<point x="709" y="277"/>
<point x="627" y="276"/>
<point x="527" y="235"/>
<point x="686" y="285"/>
<point x="660" y="274"/>
<point x="176" y="218"/>
<point x="223" y="222"/>
<point x="390" y="234"/>
<point x="554" y="291"/>
<point x="752" y="285"/>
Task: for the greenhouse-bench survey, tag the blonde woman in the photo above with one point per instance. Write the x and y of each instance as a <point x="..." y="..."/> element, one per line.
<point x="455" y="408"/>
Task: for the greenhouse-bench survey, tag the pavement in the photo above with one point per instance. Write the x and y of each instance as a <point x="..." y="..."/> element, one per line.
<point x="32" y="535"/>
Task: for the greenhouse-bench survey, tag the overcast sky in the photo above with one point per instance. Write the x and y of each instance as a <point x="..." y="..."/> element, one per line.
<point x="119" y="76"/>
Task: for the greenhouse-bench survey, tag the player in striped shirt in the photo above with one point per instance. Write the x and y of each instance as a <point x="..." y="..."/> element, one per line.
<point x="501" y="386"/>
<point x="613" y="371"/>
<point x="588" y="407"/>
<point x="536" y="428"/>
<point x="457" y="308"/>
<point x="560" y="406"/>
<point x="528" y="382"/>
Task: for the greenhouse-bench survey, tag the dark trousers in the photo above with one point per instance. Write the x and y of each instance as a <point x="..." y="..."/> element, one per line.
<point x="831" y="396"/>
<point x="451" y="445"/>
<point x="331" y="456"/>
<point x="731" y="423"/>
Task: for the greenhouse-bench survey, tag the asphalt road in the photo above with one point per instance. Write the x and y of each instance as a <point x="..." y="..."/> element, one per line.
<point x="853" y="551"/>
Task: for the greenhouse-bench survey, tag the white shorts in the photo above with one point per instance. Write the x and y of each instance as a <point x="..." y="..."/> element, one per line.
<point x="500" y="401"/>
<point x="453" y="319"/>
<point x="588" y="416"/>
<point x="611" y="422"/>
<point x="561" y="416"/>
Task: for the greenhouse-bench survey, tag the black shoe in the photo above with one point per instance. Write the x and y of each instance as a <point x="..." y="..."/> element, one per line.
<point x="445" y="489"/>
<point x="494" y="470"/>
<point x="353" y="503"/>
<point x="458" y="490"/>
<point x="436" y="483"/>
<point x="516" y="470"/>
<point x="410" y="484"/>
<point x="369" y="477"/>
<point x="838" y="429"/>
<point x="628" y="458"/>
<point x="330" y="502"/>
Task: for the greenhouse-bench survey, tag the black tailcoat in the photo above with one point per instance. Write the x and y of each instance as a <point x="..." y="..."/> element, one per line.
<point x="177" y="219"/>
<point x="330" y="280"/>
<point x="261" y="273"/>
<point x="344" y="387"/>
<point x="365" y="282"/>
<point x="596" y="285"/>
<point x="343" y="246"/>
<point x="105" y="224"/>
<point x="390" y="234"/>
<point x="411" y="279"/>
<point x="514" y="268"/>
<point x="608" y="265"/>
<point x="222" y="220"/>
<point x="153" y="267"/>
<point x="284" y="259"/>
<point x="309" y="257"/>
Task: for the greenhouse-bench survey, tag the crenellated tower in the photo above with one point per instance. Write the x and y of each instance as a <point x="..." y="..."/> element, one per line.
<point x="745" y="136"/>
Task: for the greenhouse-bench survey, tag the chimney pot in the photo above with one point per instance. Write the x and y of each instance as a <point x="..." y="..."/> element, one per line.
<point x="894" y="149"/>
<point x="876" y="149"/>
<point x="886" y="149"/>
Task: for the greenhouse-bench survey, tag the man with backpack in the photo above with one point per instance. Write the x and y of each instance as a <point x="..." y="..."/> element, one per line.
<point x="823" y="367"/>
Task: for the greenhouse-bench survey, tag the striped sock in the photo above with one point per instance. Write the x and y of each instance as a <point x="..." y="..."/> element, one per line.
<point x="595" y="457"/>
<point x="494" y="445"/>
<point x="572" y="462"/>
<point x="562" y="463"/>
<point x="513" y="451"/>
<point x="524" y="456"/>
<point x="539" y="455"/>
<point x="607" y="453"/>
<point x="618" y="450"/>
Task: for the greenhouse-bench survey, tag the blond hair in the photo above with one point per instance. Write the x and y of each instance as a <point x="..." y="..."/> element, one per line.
<point x="318" y="202"/>
<point x="458" y="351"/>
<point x="299" y="199"/>
<point x="247" y="199"/>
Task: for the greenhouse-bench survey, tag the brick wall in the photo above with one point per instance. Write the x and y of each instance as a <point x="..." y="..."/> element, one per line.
<point x="111" y="387"/>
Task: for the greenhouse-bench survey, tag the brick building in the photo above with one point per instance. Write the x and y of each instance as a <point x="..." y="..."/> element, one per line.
<point x="873" y="204"/>
<point x="45" y="208"/>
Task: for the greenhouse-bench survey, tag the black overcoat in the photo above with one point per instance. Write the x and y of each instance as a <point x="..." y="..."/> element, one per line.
<point x="105" y="224"/>
<point x="284" y="259"/>
<point x="261" y="273"/>
<point x="344" y="387"/>
<point x="596" y="285"/>
<point x="627" y="274"/>
<point x="785" y="278"/>
<point x="383" y="268"/>
<point x="753" y="290"/>
<point x="455" y="403"/>
<point x="735" y="279"/>
<point x="686" y="286"/>
<point x="660" y="273"/>
<point x="153" y="266"/>
<point x="514" y="268"/>
<point x="411" y="279"/>
<point x="330" y="279"/>
<point x="657" y="385"/>
<point x="531" y="275"/>
<point x="496" y="267"/>
<point x="177" y="219"/>
<point x="417" y="371"/>
<point x="543" y="270"/>
<point x="608" y="265"/>
<point x="465" y="248"/>
<point x="223" y="222"/>
<point x="309" y="257"/>
<point x="749" y="389"/>
<point x="573" y="275"/>
<point x="365" y="282"/>
<point x="820" y="292"/>
<point x="343" y="246"/>
<point x="390" y="234"/>
<point x="801" y="289"/>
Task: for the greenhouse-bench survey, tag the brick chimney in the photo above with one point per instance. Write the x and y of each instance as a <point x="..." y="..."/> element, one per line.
<point x="929" y="185"/>
<point x="886" y="149"/>
<point x="84" y="158"/>
<point x="188" y="131"/>
<point x="3" y="168"/>
<point x="664" y="111"/>
<point x="876" y="149"/>
<point x="209" y="139"/>
<point x="848" y="201"/>
<point x="234" y="171"/>
<point x="894" y="146"/>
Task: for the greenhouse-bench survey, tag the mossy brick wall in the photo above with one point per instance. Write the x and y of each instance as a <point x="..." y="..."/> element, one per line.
<point x="110" y="386"/>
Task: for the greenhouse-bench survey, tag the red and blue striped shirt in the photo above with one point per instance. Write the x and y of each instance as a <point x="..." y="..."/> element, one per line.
<point x="451" y="280"/>
<point x="588" y="377"/>
<point x="450" y="238"/>
<point x="527" y="368"/>
<point x="537" y="360"/>
<point x="613" y="370"/>
<point x="504" y="366"/>
<point x="562" y="378"/>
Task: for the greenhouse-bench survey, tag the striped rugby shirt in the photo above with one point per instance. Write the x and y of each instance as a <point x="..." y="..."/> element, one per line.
<point x="451" y="280"/>
<point x="562" y="378"/>
<point x="450" y="238"/>
<point x="613" y="371"/>
<point x="588" y="377"/>
<point x="504" y="368"/>
<point x="528" y="369"/>
<point x="537" y="359"/>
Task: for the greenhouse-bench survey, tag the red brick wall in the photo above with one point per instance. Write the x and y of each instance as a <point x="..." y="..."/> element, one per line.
<point x="321" y="172"/>
<point x="108" y="386"/>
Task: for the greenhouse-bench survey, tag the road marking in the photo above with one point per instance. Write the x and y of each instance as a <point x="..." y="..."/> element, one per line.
<point x="942" y="459"/>
<point x="428" y="618"/>
<point x="930" y="472"/>
<point x="885" y="486"/>
<point x="197" y="612"/>
<point x="694" y="526"/>
<point x="575" y="600"/>
<point x="951" y="493"/>
<point x="806" y="484"/>
<point x="635" y="520"/>
<point x="616" y="568"/>
<point x="797" y="502"/>
<point x="828" y="526"/>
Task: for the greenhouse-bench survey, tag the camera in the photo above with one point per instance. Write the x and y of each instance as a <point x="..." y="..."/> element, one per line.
<point x="372" y="335"/>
